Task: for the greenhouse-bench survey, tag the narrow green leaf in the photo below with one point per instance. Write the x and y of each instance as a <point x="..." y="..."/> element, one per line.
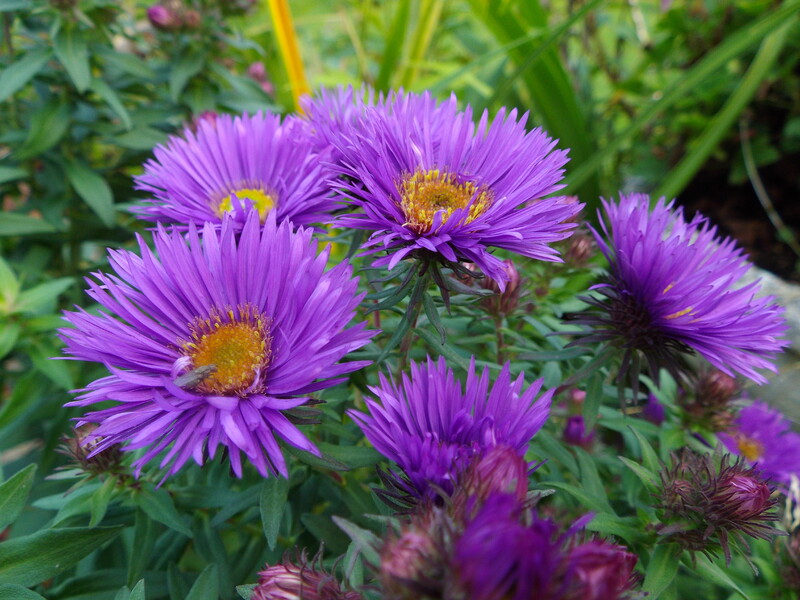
<point x="21" y="72"/>
<point x="9" y="335"/>
<point x="628" y="528"/>
<point x="206" y="586"/>
<point x="93" y="189"/>
<point x="318" y="462"/>
<point x="724" y="120"/>
<point x="186" y="67"/>
<point x="31" y="559"/>
<point x="143" y="539"/>
<point x="649" y="457"/>
<point x="17" y="592"/>
<point x="137" y="593"/>
<point x="661" y="570"/>
<point x="48" y="125"/>
<point x="14" y="494"/>
<point x="100" y="500"/>
<point x="42" y="296"/>
<point x="590" y="502"/>
<point x="246" y="591"/>
<point x="9" y="287"/>
<point x="352" y="456"/>
<point x="71" y="49"/>
<point x="733" y="45"/>
<point x="433" y="316"/>
<point x="590" y="479"/>
<point x="594" y="398"/>
<point x="12" y="173"/>
<point x="7" y="5"/>
<point x="366" y="541"/>
<point x="16" y="224"/>
<point x="648" y="478"/>
<point x="272" y="504"/>
<point x="393" y="46"/>
<point x="717" y="574"/>
<point x="446" y="350"/>
<point x="128" y="63"/>
<point x="158" y="504"/>
<point x="141" y="138"/>
<point x="110" y="97"/>
<point x="58" y="371"/>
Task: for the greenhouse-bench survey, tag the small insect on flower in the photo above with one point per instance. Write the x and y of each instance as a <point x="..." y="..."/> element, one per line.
<point x="192" y="379"/>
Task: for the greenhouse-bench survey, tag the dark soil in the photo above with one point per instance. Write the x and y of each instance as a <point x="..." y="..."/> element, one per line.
<point x="736" y="210"/>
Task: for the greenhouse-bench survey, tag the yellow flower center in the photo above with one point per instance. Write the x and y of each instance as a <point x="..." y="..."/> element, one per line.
<point x="751" y="449"/>
<point x="423" y="194"/>
<point x="235" y="345"/>
<point x="261" y="199"/>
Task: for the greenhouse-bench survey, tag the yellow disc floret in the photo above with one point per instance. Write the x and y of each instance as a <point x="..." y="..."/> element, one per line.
<point x="236" y="344"/>
<point x="751" y="449"/>
<point x="423" y="194"/>
<point x="262" y="200"/>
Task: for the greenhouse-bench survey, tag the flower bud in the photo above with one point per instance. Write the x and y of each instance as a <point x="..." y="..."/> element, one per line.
<point x="653" y="410"/>
<point x="600" y="571"/>
<point x="745" y="496"/>
<point x="580" y="250"/>
<point x="163" y="18"/>
<point x="191" y="19"/>
<point x="503" y="303"/>
<point x="81" y="447"/>
<point x="500" y="470"/>
<point x="711" y="405"/>
<point x="412" y="564"/>
<point x="575" y="433"/>
<point x="304" y="581"/>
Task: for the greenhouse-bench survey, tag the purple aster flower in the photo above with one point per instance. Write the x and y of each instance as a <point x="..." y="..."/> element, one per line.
<point x="507" y="553"/>
<point x="209" y="344"/>
<point x="431" y="428"/>
<point x="763" y="436"/>
<point x="673" y="287"/>
<point x="232" y="164"/>
<point x="430" y="183"/>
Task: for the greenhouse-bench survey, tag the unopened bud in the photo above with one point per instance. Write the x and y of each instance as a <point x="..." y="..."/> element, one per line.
<point x="304" y="581"/>
<point x="191" y="19"/>
<point x="601" y="570"/>
<point x="575" y="432"/>
<point x="163" y="18"/>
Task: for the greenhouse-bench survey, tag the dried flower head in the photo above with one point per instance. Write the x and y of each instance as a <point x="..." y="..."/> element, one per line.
<point x="706" y="505"/>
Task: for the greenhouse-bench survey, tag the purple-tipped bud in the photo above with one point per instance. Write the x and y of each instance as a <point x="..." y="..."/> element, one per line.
<point x="503" y="303"/>
<point x="191" y="19"/>
<point x="257" y="71"/>
<point x="600" y="570"/>
<point x="575" y="432"/>
<point x="412" y="564"/>
<point x="501" y="470"/>
<point x="653" y="410"/>
<point x="706" y="504"/>
<point x="711" y="405"/>
<point x="304" y="581"/>
<point x="163" y="18"/>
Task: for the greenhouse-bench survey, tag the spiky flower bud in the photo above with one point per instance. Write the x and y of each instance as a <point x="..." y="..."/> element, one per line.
<point x="706" y="504"/>
<point x="82" y="447"/>
<point x="303" y="581"/>
<point x="604" y="570"/>
<point x="164" y="18"/>
<point x="710" y="405"/>
<point x="580" y="250"/>
<point x="503" y="303"/>
<point x="412" y="560"/>
<point x="501" y="470"/>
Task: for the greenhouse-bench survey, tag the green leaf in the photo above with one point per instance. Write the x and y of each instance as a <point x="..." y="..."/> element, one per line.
<point x="246" y="590"/>
<point x="366" y="541"/>
<point x="590" y="479"/>
<point x="71" y="49"/>
<point x="109" y="96"/>
<point x="48" y="125"/>
<point x="100" y="500"/>
<point x="9" y="287"/>
<point x="319" y="462"/>
<point x="141" y="138"/>
<point x="32" y="559"/>
<point x="393" y="46"/>
<point x="352" y="456"/>
<point x="648" y="478"/>
<point x="138" y="591"/>
<point x="15" y="224"/>
<point x="9" y="334"/>
<point x="17" y="592"/>
<point x="129" y="63"/>
<point x="661" y="570"/>
<point x="723" y="120"/>
<point x="93" y="189"/>
<point x="649" y="457"/>
<point x="445" y="350"/>
<point x="42" y="296"/>
<point x="599" y="505"/>
<point x="21" y="72"/>
<point x="594" y="398"/>
<point x="14" y="494"/>
<point x="627" y="528"/>
<point x="158" y="504"/>
<point x="12" y="173"/>
<point x="433" y="316"/>
<point x="272" y="504"/>
<point x="42" y="354"/>
<point x="186" y="67"/>
<point x="206" y="586"/>
<point x="717" y="574"/>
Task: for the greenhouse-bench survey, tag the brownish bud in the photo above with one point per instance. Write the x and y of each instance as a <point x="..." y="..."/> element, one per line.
<point x="81" y="447"/>
<point x="303" y="581"/>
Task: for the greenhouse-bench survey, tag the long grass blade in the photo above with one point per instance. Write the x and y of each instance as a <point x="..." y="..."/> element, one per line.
<point x="286" y="38"/>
